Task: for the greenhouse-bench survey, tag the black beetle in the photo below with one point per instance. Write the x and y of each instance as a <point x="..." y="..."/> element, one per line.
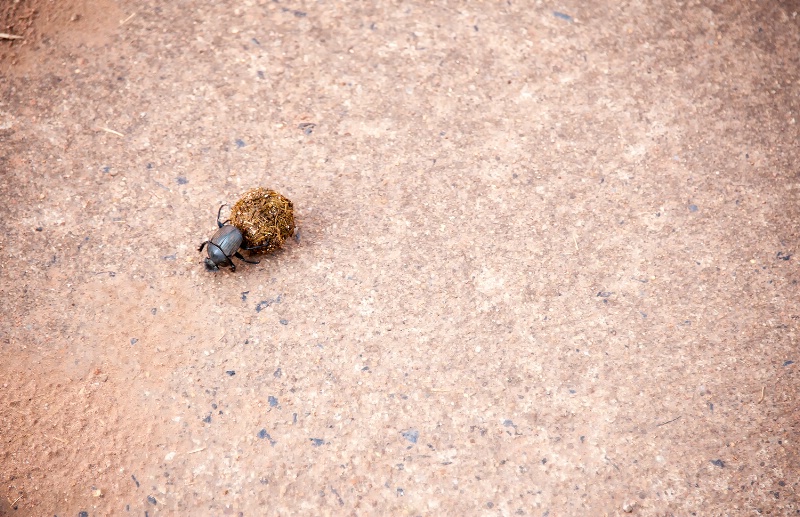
<point x="224" y="244"/>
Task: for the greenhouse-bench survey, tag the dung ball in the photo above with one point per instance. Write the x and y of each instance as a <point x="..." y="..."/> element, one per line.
<point x="264" y="217"/>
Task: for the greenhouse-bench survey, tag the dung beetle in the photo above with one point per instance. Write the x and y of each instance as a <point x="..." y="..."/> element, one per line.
<point x="224" y="244"/>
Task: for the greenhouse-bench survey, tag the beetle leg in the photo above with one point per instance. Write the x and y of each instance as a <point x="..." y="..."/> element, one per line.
<point x="240" y="257"/>
<point x="255" y="247"/>
<point x="202" y="246"/>
<point x="219" y="212"/>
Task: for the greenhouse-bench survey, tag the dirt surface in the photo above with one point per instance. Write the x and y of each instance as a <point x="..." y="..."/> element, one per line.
<point x="546" y="261"/>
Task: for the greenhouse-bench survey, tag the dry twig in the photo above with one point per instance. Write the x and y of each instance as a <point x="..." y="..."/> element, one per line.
<point x="668" y="421"/>
<point x="107" y="130"/>
<point x="123" y="22"/>
<point x="56" y="438"/>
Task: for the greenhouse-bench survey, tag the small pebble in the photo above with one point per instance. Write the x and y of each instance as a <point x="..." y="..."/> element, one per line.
<point x="628" y="507"/>
<point x="231" y="372"/>
<point x="307" y="127"/>
<point x="272" y="401"/>
<point x="412" y="435"/>
<point x="316" y="442"/>
<point x="151" y="499"/>
<point x="562" y="16"/>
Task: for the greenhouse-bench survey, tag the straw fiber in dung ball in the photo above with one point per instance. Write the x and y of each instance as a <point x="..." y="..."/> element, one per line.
<point x="264" y="217"/>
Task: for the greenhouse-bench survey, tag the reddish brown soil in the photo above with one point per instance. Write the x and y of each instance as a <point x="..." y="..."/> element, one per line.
<point x="546" y="261"/>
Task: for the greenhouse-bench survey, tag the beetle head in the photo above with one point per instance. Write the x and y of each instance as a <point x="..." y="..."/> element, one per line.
<point x="210" y="265"/>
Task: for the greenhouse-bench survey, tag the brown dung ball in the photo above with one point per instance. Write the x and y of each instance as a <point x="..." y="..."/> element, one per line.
<point x="264" y="217"/>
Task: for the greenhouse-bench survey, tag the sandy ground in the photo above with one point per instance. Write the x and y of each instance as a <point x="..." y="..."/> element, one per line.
<point x="546" y="261"/>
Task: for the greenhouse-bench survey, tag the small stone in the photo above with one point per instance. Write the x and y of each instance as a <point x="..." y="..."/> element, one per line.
<point x="628" y="507"/>
<point x="412" y="435"/>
